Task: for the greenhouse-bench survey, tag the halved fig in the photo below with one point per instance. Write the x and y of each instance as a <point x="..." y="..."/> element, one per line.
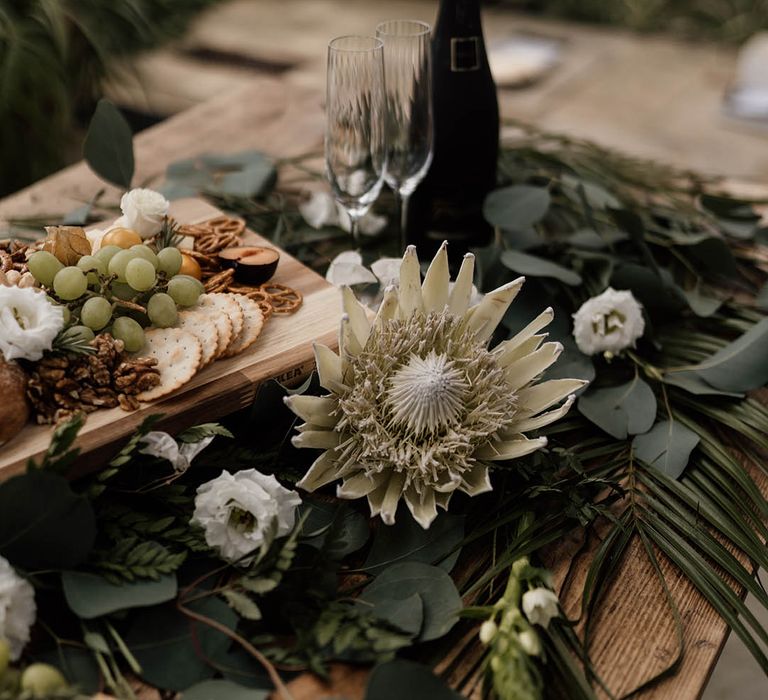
<point x="252" y="264"/>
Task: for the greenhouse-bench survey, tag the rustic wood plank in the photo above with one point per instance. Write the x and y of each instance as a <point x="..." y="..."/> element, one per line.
<point x="283" y="350"/>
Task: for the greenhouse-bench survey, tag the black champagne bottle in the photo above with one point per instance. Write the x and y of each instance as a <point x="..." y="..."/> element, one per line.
<point x="447" y="205"/>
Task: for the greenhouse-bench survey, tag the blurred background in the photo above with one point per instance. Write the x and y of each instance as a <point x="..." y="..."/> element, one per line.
<point x="685" y="81"/>
<point x="682" y="81"/>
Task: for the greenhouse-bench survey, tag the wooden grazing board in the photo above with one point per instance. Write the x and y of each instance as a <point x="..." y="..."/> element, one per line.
<point x="283" y="351"/>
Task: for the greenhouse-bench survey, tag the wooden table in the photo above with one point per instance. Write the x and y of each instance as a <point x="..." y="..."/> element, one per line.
<point x="633" y="632"/>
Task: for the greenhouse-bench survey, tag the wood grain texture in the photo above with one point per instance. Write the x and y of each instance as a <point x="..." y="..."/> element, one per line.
<point x="283" y="351"/>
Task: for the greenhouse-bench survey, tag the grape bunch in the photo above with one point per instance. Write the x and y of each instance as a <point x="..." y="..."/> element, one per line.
<point x="121" y="290"/>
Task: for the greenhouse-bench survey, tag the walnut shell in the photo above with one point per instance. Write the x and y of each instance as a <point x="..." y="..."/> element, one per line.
<point x="67" y="243"/>
<point x="14" y="409"/>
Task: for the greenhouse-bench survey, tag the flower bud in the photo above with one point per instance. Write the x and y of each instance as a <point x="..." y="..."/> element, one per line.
<point x="488" y="631"/>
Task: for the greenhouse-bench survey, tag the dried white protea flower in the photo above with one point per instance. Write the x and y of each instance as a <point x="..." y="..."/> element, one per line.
<point x="419" y="406"/>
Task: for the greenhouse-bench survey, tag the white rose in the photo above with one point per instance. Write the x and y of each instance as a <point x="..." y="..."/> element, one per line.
<point x="17" y="608"/>
<point x="143" y="212"/>
<point x="28" y="322"/>
<point x="610" y="322"/>
<point x="163" y="446"/>
<point x="540" y="605"/>
<point x="244" y="511"/>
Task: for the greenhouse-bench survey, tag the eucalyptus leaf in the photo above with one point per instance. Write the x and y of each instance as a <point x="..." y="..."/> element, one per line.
<point x="516" y="208"/>
<point x="741" y="229"/>
<point x="335" y="528"/>
<point x="43" y="523"/>
<point x="627" y="409"/>
<point x="702" y="304"/>
<point x="526" y="264"/>
<point x="406" y="540"/>
<point x="596" y="195"/>
<point x="728" y="207"/>
<point x="590" y="239"/>
<point x="655" y="294"/>
<point x="172" y="649"/>
<point x="741" y="365"/>
<point x="667" y="446"/>
<point x="223" y="690"/>
<point x="406" y="680"/>
<point x="249" y="182"/>
<point x="714" y="254"/>
<point x="77" y="664"/>
<point x="108" y="147"/>
<point x="407" y="614"/>
<point x="90" y="595"/>
<point x="436" y="589"/>
<point x="694" y="384"/>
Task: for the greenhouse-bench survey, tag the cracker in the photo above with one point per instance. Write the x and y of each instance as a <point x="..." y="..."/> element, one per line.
<point x="212" y="309"/>
<point x="178" y="354"/>
<point x="253" y="322"/>
<point x="226" y="305"/>
<point x="200" y="323"/>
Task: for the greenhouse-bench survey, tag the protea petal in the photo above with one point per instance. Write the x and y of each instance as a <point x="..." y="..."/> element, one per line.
<point x="411" y="300"/>
<point x="328" y="367"/>
<point x="323" y="471"/>
<point x="349" y="343"/>
<point x="360" y="485"/>
<point x="539" y="421"/>
<point x="539" y="397"/>
<point x="321" y="439"/>
<point x="510" y="449"/>
<point x="443" y="499"/>
<point x="519" y="373"/>
<point x="484" y="317"/>
<point x="477" y="480"/>
<point x="392" y="497"/>
<point x="506" y="348"/>
<point x="527" y="347"/>
<point x="388" y="308"/>
<point x="422" y="507"/>
<point x="461" y="294"/>
<point x="318" y="410"/>
<point x="359" y="324"/>
<point x="436" y="281"/>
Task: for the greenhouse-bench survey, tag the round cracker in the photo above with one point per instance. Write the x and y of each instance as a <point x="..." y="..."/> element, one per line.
<point x="200" y="323"/>
<point x="253" y="322"/>
<point x="212" y="309"/>
<point x="178" y="354"/>
<point x="227" y="304"/>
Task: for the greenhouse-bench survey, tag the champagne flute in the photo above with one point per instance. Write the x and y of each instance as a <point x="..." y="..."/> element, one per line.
<point x="408" y="67"/>
<point x="355" y="139"/>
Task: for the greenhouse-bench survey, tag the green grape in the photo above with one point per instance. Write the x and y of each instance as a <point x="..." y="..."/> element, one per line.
<point x="96" y="313"/>
<point x="119" y="262"/>
<point x="67" y="314"/>
<point x="184" y="290"/>
<point x="169" y="261"/>
<point x="90" y="263"/>
<point x="140" y="274"/>
<point x="162" y="310"/>
<point x="123" y="291"/>
<point x="106" y="253"/>
<point x="44" y="266"/>
<point x="129" y="331"/>
<point x="81" y="334"/>
<point x="70" y="283"/>
<point x="144" y="251"/>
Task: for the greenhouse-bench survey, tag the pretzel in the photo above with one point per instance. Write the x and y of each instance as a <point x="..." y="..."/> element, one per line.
<point x="219" y="282"/>
<point x="284" y="299"/>
<point x="227" y="224"/>
<point x="211" y="243"/>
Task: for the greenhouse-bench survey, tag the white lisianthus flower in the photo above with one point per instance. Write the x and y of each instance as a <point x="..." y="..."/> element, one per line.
<point x="610" y="322"/>
<point x="17" y="608"/>
<point x="321" y="209"/>
<point x="143" y="211"/>
<point x="540" y="605"/>
<point x="161" y="445"/>
<point x="244" y="511"/>
<point x="29" y="322"/>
